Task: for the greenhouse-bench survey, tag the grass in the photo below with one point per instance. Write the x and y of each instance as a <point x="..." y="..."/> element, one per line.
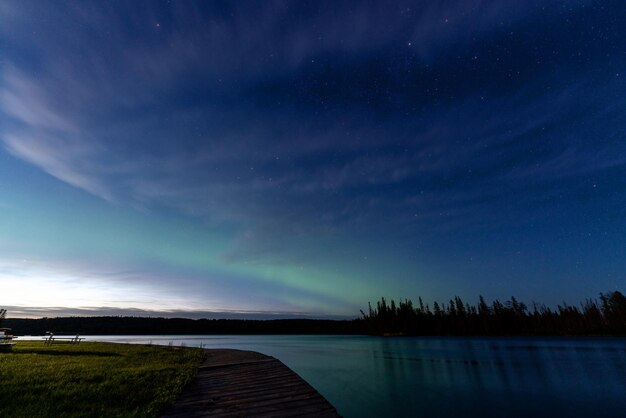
<point x="93" y="379"/>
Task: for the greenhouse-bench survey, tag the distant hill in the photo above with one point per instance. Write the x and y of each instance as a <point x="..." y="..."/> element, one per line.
<point x="118" y="325"/>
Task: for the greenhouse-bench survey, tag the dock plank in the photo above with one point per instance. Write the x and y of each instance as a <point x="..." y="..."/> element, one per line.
<point x="236" y="383"/>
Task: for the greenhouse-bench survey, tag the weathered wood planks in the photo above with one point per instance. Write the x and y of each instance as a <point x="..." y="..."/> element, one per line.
<point x="235" y="383"/>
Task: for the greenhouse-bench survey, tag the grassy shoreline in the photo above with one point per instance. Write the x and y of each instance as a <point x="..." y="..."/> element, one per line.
<point x="93" y="379"/>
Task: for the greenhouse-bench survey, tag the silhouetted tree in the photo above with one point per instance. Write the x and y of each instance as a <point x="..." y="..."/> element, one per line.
<point x="510" y="318"/>
<point x="614" y="310"/>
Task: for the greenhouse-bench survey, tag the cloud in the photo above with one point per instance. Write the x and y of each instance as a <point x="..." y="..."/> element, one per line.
<point x="58" y="158"/>
<point x="45" y="138"/>
<point x="317" y="127"/>
<point x="24" y="101"/>
<point x="156" y="286"/>
<point x="34" y="312"/>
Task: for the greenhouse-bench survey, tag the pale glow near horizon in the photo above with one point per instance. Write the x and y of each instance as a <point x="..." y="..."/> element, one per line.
<point x="35" y="284"/>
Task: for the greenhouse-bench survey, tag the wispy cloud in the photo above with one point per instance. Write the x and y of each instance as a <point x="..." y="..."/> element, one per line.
<point x="59" y="311"/>
<point x="358" y="120"/>
<point x="24" y="101"/>
<point x="43" y="137"/>
<point x="32" y="283"/>
<point x="59" y="158"/>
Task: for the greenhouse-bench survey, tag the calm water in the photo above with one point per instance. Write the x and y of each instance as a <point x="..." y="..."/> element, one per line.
<point x="444" y="377"/>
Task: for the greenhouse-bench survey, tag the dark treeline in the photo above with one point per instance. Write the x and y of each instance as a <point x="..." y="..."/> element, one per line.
<point x="604" y="317"/>
<point x="117" y="325"/>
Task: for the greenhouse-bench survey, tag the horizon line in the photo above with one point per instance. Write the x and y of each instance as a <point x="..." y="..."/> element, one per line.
<point x="32" y="312"/>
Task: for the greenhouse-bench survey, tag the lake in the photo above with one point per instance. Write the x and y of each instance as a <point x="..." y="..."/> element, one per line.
<point x="443" y="377"/>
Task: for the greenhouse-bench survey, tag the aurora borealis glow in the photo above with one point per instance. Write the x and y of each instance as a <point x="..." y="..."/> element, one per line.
<point x="308" y="157"/>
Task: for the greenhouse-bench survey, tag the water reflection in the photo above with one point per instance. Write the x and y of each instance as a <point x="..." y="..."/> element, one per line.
<point x="442" y="377"/>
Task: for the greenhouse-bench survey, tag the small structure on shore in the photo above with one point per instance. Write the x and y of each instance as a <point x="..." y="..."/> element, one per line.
<point x="6" y="339"/>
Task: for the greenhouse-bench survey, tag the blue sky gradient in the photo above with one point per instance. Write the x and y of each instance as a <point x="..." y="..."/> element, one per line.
<point x="304" y="158"/>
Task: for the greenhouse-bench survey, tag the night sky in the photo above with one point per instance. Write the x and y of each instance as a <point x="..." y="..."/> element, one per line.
<point x="304" y="158"/>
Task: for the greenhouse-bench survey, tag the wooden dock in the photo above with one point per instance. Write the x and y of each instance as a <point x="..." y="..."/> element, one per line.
<point x="235" y="383"/>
